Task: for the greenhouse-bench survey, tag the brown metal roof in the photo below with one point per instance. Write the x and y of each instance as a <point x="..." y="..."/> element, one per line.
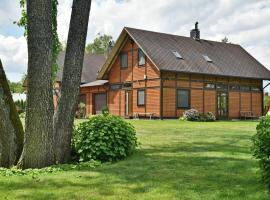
<point x="227" y="59"/>
<point x="91" y="66"/>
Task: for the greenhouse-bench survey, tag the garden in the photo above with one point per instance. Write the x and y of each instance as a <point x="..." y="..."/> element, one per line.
<point x="174" y="160"/>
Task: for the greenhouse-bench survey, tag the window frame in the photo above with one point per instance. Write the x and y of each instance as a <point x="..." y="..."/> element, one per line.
<point x="189" y="100"/>
<point x="138" y="91"/>
<point x="121" y="57"/>
<point x="141" y="65"/>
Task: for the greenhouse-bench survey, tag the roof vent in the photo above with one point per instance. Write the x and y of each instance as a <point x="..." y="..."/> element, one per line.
<point x="195" y="33"/>
<point x="177" y="54"/>
<point x="207" y="58"/>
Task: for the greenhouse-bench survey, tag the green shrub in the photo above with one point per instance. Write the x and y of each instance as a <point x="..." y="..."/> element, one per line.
<point x="194" y="115"/>
<point x="210" y="117"/>
<point x="261" y="148"/>
<point x="191" y="115"/>
<point x="104" y="138"/>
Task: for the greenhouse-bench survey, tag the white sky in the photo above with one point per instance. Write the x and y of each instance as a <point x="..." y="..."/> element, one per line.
<point x="245" y="22"/>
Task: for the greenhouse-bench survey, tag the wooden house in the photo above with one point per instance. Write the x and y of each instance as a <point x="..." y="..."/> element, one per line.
<point x="151" y="73"/>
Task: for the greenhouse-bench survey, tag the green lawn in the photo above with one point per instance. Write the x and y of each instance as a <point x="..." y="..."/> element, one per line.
<point x="176" y="160"/>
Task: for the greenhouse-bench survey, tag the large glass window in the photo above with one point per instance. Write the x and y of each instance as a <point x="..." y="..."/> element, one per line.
<point x="123" y="60"/>
<point x="244" y="88"/>
<point x="116" y="87"/>
<point x="183" y="98"/>
<point x="141" y="97"/>
<point x="221" y="86"/>
<point x="209" y="86"/>
<point x="255" y="88"/>
<point x="234" y="87"/>
<point x="141" y="58"/>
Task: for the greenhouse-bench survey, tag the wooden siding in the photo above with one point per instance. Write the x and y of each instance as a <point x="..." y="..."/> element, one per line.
<point x="210" y="101"/>
<point x="169" y="102"/>
<point x="197" y="100"/>
<point x="257" y="103"/>
<point x="234" y="104"/>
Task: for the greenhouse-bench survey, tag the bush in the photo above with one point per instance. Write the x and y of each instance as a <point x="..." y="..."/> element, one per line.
<point x="104" y="138"/>
<point x="210" y="117"/>
<point x="261" y="148"/>
<point x="192" y="115"/>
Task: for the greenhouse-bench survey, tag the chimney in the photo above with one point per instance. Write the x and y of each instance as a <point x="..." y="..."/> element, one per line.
<point x="195" y="33"/>
<point x="110" y="47"/>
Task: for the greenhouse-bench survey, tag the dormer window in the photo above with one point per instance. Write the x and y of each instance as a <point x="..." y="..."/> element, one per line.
<point x="177" y="54"/>
<point x="141" y="57"/>
<point x="206" y="57"/>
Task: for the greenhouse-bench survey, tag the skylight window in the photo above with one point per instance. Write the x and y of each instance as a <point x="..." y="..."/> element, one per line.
<point x="207" y="58"/>
<point x="177" y="54"/>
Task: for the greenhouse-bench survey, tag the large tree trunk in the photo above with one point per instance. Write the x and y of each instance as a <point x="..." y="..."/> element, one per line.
<point x="11" y="129"/>
<point x="64" y="116"/>
<point x="38" y="143"/>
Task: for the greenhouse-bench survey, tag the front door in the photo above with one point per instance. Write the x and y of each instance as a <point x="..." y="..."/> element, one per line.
<point x="100" y="102"/>
<point x="222" y="105"/>
<point x="128" y="103"/>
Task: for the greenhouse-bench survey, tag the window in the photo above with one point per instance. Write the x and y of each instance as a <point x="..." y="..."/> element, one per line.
<point x="141" y="58"/>
<point x="244" y="88"/>
<point x="221" y="86"/>
<point x="141" y="97"/>
<point x="177" y="54"/>
<point x="209" y="86"/>
<point x="255" y="88"/>
<point x="127" y="85"/>
<point x="234" y="87"/>
<point x="124" y="60"/>
<point x="115" y="87"/>
<point x="183" y="98"/>
<point x="207" y="58"/>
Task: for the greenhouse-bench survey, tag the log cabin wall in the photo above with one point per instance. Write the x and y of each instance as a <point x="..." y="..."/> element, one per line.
<point x="145" y="77"/>
<point x="204" y="99"/>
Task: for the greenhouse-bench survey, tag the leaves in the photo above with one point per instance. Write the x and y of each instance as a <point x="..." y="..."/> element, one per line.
<point x="105" y="138"/>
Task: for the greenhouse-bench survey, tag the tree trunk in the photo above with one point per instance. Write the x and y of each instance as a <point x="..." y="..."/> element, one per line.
<point x="38" y="143"/>
<point x="68" y="100"/>
<point x="11" y="129"/>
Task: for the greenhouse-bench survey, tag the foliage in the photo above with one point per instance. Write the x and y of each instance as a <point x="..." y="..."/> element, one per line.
<point x="16" y="87"/>
<point x="22" y="115"/>
<point x="81" y="110"/>
<point x="194" y="115"/>
<point x="105" y="111"/>
<point x="209" y="117"/>
<point x="56" y="42"/>
<point x="48" y="170"/>
<point x="104" y="138"/>
<point x="20" y="105"/>
<point x="191" y="115"/>
<point x="261" y="148"/>
<point x="100" y="45"/>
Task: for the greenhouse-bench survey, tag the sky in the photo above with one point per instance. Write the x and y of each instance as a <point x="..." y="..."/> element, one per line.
<point x="244" y="22"/>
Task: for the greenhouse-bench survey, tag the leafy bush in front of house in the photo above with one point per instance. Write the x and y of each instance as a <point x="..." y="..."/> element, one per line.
<point x="209" y="117"/>
<point x="194" y="115"/>
<point x="261" y="148"/>
<point x="191" y="115"/>
<point x="104" y="138"/>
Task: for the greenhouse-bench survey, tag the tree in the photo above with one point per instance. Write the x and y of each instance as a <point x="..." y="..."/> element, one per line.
<point x="57" y="47"/>
<point x="38" y="143"/>
<point x="225" y="40"/>
<point x="100" y="45"/>
<point x="11" y="129"/>
<point x="70" y="87"/>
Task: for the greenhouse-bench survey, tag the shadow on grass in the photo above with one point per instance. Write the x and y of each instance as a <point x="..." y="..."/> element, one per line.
<point x="182" y="169"/>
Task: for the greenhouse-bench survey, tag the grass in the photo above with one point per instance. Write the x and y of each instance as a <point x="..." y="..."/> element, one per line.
<point x="176" y="160"/>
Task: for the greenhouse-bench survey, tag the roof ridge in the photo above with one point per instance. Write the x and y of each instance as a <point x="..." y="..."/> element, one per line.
<point x="169" y="34"/>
